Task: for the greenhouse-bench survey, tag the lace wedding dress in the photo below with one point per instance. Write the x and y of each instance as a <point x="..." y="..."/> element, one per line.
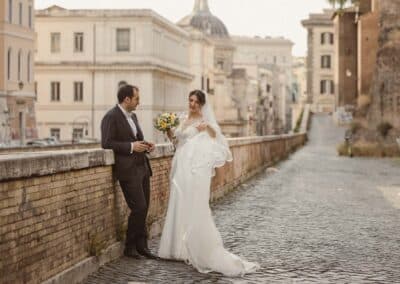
<point x="189" y="232"/>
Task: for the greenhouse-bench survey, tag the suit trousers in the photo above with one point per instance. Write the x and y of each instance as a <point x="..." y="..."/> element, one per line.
<point x="137" y="195"/>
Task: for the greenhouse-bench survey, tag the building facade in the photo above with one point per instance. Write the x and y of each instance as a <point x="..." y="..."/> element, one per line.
<point x="385" y="83"/>
<point x="357" y="30"/>
<point x="84" y="56"/>
<point x="320" y="61"/>
<point x="273" y="56"/>
<point x="17" y="88"/>
<point x="299" y="88"/>
<point x="346" y="58"/>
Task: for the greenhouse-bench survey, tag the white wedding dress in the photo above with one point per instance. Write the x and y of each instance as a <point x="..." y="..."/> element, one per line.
<point x="189" y="232"/>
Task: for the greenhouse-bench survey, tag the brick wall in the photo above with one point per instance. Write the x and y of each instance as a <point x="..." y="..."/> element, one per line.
<point x="385" y="85"/>
<point x="58" y="208"/>
<point x="346" y="68"/>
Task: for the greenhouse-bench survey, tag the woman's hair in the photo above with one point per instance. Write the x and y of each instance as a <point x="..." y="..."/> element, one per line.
<point x="201" y="97"/>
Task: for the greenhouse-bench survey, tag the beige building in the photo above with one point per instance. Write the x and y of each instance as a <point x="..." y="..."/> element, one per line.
<point x="299" y="70"/>
<point x="17" y="91"/>
<point x="83" y="56"/>
<point x="259" y="57"/>
<point x="211" y="56"/>
<point x="299" y="88"/>
<point x="320" y="61"/>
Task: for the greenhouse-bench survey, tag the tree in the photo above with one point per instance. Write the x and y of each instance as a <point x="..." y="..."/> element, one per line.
<point x="332" y="2"/>
<point x="341" y="3"/>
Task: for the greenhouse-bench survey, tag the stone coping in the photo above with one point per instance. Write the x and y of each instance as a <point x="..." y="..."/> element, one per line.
<point x="56" y="147"/>
<point x="29" y="164"/>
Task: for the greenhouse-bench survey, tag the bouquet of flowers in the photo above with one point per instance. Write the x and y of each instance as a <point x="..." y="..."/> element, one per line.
<point x="166" y="121"/>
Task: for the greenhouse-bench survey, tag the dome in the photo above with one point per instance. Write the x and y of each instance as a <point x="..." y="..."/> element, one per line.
<point x="202" y="19"/>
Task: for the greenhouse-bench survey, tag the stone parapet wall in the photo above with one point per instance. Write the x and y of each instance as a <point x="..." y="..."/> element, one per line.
<point x="11" y="150"/>
<point x="57" y="208"/>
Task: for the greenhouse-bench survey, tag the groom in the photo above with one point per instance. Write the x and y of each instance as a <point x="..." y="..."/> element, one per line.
<point x="121" y="132"/>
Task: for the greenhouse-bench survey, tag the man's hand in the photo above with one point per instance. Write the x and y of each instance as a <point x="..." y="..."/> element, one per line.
<point x="151" y="146"/>
<point x="140" y="146"/>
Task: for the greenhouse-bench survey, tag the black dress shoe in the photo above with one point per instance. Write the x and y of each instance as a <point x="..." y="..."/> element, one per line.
<point x="131" y="252"/>
<point x="147" y="253"/>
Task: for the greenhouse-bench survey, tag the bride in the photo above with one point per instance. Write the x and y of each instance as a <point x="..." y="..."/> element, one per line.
<point x="189" y="232"/>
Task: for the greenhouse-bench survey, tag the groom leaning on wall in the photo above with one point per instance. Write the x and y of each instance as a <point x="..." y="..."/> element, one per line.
<point x="121" y="132"/>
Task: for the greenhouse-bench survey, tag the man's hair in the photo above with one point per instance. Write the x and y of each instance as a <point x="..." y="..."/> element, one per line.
<point x="126" y="91"/>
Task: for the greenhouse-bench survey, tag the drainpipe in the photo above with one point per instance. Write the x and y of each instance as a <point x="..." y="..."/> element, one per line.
<point x="93" y="79"/>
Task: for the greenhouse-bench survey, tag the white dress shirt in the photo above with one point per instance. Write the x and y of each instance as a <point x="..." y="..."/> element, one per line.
<point x="128" y="116"/>
<point x="130" y="121"/>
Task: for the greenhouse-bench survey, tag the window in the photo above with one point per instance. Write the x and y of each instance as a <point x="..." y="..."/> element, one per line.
<point x="19" y="65"/>
<point x="10" y="11"/>
<point x="30" y="16"/>
<point x="9" y="54"/>
<point x="78" y="91"/>
<point x="123" y="40"/>
<point x="20" y="14"/>
<point x="323" y="87"/>
<point x="332" y="87"/>
<point x="77" y="133"/>
<point x="202" y="83"/>
<point x="327" y="38"/>
<point x="55" y="42"/>
<point x="268" y="88"/>
<point x="220" y="64"/>
<point x="55" y="91"/>
<point x="55" y="132"/>
<point x="208" y="85"/>
<point x="78" y="42"/>
<point x="28" y="69"/>
<point x="325" y="84"/>
<point x="36" y="89"/>
<point x="326" y="61"/>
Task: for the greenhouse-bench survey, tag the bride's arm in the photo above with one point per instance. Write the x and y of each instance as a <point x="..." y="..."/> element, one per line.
<point x="171" y="136"/>
<point x="211" y="131"/>
<point x="206" y="127"/>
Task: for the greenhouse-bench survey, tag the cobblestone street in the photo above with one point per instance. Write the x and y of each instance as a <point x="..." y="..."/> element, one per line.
<point x="319" y="218"/>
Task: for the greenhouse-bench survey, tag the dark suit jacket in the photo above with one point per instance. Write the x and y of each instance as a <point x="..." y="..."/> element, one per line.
<point x="116" y="134"/>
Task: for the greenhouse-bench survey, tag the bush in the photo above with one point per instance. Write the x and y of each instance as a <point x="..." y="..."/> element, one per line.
<point x="298" y="122"/>
<point x="384" y="128"/>
<point x="355" y="126"/>
<point x="342" y="149"/>
<point x="365" y="149"/>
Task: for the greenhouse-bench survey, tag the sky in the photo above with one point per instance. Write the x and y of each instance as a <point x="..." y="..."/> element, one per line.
<point x="241" y="17"/>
